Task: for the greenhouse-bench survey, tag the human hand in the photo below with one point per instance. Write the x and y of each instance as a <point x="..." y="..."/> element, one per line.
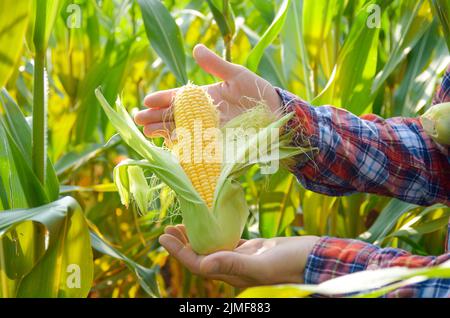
<point x="254" y="262"/>
<point x="239" y="90"/>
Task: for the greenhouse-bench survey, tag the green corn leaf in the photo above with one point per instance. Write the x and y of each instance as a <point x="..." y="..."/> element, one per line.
<point x="278" y="203"/>
<point x="278" y="291"/>
<point x="442" y="10"/>
<point x="420" y="221"/>
<point x="66" y="268"/>
<point x="317" y="208"/>
<point x="268" y="37"/>
<point x="295" y="59"/>
<point x="269" y="65"/>
<point x="22" y="247"/>
<point x="418" y="85"/>
<point x="317" y="21"/>
<point x="73" y="160"/>
<point x="349" y="86"/>
<point x="31" y="185"/>
<point x="269" y="68"/>
<point x="386" y="220"/>
<point x="414" y="22"/>
<point x="100" y="188"/>
<point x="423" y="228"/>
<point x="11" y="192"/>
<point x="225" y="23"/>
<point x="165" y="37"/>
<point x="20" y="133"/>
<point x="146" y="276"/>
<point x="108" y="71"/>
<point x="14" y="17"/>
<point x="266" y="9"/>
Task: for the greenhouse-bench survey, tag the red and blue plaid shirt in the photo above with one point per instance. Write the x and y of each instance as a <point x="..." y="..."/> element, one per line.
<point x="393" y="157"/>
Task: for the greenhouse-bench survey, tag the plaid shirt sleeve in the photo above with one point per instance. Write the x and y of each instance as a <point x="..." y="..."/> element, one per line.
<point x="443" y="93"/>
<point x="333" y="257"/>
<point x="392" y="157"/>
<point x="369" y="154"/>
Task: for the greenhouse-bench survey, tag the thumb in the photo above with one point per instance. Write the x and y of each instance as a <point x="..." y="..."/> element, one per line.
<point x="214" y="64"/>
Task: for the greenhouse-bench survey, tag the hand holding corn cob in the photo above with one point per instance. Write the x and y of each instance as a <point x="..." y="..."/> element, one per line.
<point x="253" y="263"/>
<point x="211" y="200"/>
<point x="239" y="91"/>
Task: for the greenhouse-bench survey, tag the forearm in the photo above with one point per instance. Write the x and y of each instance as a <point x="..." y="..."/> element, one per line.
<point x="391" y="157"/>
<point x="332" y="257"/>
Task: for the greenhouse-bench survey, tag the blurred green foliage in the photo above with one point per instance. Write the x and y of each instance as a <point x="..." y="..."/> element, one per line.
<point x="341" y="52"/>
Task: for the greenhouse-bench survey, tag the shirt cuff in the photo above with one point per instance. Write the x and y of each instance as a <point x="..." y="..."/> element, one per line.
<point x="304" y="125"/>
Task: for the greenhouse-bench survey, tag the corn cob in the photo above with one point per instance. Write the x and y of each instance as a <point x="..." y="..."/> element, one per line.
<point x="216" y="223"/>
<point x="194" y="112"/>
<point x="436" y="123"/>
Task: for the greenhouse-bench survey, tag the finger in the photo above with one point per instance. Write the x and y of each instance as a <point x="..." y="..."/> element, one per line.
<point x="248" y="249"/>
<point x="183" y="253"/>
<point x="181" y="227"/>
<point x="174" y="231"/>
<point x="169" y="242"/>
<point x="181" y="235"/>
<point x="182" y="230"/>
<point x="158" y="129"/>
<point x="241" y="241"/>
<point x="160" y="99"/>
<point x="167" y="228"/>
<point x="214" y="64"/>
<point x="153" y="115"/>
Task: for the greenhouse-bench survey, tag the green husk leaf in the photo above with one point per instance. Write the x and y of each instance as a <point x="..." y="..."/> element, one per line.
<point x="257" y="117"/>
<point x="436" y="123"/>
<point x="139" y="188"/>
<point x="122" y="184"/>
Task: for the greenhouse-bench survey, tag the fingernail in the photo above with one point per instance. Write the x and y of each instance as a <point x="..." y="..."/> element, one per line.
<point x="162" y="239"/>
<point x="200" y="45"/>
<point x="200" y="49"/>
<point x="137" y="117"/>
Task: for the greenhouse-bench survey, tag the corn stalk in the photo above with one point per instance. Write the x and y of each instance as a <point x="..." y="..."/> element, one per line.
<point x="39" y="91"/>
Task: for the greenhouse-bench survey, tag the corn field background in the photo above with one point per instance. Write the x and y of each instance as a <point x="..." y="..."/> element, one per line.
<point x="60" y="211"/>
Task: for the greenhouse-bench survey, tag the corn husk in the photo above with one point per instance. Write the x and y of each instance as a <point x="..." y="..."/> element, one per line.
<point x="436" y="123"/>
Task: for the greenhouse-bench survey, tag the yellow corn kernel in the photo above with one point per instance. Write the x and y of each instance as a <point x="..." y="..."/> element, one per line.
<point x="196" y="116"/>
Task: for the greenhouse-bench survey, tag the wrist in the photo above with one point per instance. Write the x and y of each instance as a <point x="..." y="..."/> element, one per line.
<point x="275" y="102"/>
<point x="304" y="127"/>
<point x="292" y="267"/>
<point x="306" y="247"/>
